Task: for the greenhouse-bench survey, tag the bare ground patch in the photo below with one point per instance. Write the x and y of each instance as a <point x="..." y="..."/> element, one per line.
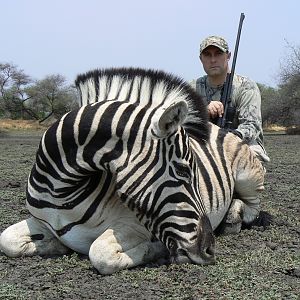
<point x="255" y="264"/>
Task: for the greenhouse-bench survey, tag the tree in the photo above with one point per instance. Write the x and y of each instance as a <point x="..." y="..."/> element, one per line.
<point x="289" y="88"/>
<point x="21" y="97"/>
<point x="269" y="100"/>
<point x="281" y="105"/>
<point x="13" y="82"/>
<point x="51" y="97"/>
<point x="290" y="66"/>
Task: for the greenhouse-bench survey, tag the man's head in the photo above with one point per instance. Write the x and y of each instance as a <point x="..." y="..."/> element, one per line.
<point x="214" y="55"/>
<point x="216" y="41"/>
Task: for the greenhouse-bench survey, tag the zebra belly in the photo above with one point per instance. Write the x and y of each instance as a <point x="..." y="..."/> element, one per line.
<point x="80" y="238"/>
<point x="66" y="225"/>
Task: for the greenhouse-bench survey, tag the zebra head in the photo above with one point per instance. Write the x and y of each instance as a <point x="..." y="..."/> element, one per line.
<point x="178" y="217"/>
<point x="151" y="118"/>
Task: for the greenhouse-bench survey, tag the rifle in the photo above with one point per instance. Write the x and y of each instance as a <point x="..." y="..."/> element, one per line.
<point x="229" y="111"/>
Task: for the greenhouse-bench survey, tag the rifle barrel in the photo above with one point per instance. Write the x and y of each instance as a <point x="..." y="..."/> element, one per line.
<point x="226" y="96"/>
<point x="237" y="43"/>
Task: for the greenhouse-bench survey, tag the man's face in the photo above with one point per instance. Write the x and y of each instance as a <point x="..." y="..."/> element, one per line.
<point x="215" y="61"/>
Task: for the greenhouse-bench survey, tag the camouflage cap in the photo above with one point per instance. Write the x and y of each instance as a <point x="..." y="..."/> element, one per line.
<point x="214" y="41"/>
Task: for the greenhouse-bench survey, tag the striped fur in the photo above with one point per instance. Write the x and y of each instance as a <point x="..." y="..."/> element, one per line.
<point x="139" y="149"/>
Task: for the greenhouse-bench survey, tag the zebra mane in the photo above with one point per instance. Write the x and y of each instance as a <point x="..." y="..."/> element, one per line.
<point x="103" y="84"/>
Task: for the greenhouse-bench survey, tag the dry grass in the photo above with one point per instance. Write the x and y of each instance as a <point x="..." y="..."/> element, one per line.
<point x="8" y="124"/>
<point x="274" y="128"/>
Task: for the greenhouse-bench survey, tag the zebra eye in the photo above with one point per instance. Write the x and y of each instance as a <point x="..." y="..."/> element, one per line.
<point x="182" y="170"/>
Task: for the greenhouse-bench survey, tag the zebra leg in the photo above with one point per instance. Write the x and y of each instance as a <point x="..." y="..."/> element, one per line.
<point x="245" y="209"/>
<point x="249" y="183"/>
<point x="245" y="206"/>
<point x="238" y="214"/>
<point x="30" y="237"/>
<point x="122" y="246"/>
<point x="232" y="222"/>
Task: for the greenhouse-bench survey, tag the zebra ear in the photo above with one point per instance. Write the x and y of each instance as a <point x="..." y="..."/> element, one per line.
<point x="172" y="117"/>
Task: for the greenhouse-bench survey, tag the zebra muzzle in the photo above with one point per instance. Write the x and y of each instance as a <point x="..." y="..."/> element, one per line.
<point x="201" y="251"/>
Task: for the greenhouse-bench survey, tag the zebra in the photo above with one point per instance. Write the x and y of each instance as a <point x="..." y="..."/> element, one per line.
<point x="134" y="175"/>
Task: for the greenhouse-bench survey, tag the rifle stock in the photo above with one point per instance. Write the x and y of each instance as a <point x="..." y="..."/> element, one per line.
<point x="229" y="111"/>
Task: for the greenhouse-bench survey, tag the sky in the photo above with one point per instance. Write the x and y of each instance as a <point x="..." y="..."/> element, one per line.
<point x="69" y="37"/>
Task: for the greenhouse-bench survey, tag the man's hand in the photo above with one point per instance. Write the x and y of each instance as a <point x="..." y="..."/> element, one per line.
<point x="215" y="109"/>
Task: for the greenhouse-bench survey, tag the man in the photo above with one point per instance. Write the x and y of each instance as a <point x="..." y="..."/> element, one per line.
<point x="247" y="123"/>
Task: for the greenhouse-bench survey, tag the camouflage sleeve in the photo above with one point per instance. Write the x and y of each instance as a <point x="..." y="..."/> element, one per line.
<point x="249" y="111"/>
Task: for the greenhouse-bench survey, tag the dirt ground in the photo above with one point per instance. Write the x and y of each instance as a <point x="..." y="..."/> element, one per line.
<point x="258" y="263"/>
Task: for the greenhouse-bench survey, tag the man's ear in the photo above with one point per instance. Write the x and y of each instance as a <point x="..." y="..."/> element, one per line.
<point x="228" y="55"/>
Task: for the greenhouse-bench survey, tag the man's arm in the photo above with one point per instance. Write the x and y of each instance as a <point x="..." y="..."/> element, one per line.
<point x="249" y="111"/>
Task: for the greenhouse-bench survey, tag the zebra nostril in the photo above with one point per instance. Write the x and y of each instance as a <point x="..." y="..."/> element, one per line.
<point x="37" y="237"/>
<point x="210" y="251"/>
<point x="209" y="255"/>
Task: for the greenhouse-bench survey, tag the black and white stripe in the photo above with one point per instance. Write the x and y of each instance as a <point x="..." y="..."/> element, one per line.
<point x="141" y="136"/>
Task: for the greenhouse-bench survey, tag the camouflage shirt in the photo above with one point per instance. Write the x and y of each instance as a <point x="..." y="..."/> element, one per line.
<point x="247" y="101"/>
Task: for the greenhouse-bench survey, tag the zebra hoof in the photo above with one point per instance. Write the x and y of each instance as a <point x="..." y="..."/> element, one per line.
<point x="264" y="220"/>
